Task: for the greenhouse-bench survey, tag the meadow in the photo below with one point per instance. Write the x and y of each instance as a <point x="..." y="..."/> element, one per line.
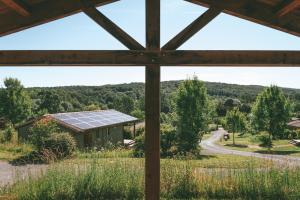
<point x="115" y="175"/>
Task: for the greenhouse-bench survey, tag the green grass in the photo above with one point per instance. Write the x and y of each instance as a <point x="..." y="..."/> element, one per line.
<point x="248" y="142"/>
<point x="112" y="175"/>
<point x="10" y="151"/>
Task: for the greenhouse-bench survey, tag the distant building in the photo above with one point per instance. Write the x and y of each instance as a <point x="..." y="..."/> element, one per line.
<point x="294" y="124"/>
<point x="89" y="128"/>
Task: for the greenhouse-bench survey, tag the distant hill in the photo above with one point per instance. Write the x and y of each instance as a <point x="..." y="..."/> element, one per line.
<point x="80" y="96"/>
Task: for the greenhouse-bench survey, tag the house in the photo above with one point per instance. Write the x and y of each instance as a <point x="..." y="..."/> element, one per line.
<point x="89" y="128"/>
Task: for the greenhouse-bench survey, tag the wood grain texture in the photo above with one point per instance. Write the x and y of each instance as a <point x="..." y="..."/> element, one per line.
<point x="142" y="58"/>
<point x="257" y="12"/>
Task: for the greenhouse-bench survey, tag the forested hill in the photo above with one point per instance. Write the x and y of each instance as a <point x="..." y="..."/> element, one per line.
<point x="109" y="96"/>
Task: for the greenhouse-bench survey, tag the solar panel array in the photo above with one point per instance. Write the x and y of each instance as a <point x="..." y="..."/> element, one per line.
<point x="93" y="119"/>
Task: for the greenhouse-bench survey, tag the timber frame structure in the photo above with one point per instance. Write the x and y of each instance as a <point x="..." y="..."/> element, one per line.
<point x="17" y="15"/>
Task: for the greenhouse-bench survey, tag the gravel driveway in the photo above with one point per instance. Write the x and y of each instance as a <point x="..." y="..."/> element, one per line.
<point x="209" y="146"/>
<point x="9" y="173"/>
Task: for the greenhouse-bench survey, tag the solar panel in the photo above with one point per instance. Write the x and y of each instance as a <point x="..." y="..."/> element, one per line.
<point x="93" y="119"/>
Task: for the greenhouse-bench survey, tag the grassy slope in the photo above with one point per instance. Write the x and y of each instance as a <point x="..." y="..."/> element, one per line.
<point x="248" y="143"/>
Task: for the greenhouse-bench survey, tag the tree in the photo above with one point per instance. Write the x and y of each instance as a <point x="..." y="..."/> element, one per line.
<point x="235" y="122"/>
<point x="271" y="112"/>
<point x="50" y="101"/>
<point x="193" y="113"/>
<point x="15" y="103"/>
<point x="123" y="103"/>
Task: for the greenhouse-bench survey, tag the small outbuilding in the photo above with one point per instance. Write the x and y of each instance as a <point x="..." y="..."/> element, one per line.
<point x="89" y="128"/>
<point x="294" y="124"/>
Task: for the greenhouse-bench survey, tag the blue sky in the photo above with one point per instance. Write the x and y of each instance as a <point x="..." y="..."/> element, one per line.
<point x="80" y="32"/>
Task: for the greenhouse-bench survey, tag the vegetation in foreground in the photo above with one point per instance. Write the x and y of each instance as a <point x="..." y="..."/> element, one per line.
<point x="107" y="176"/>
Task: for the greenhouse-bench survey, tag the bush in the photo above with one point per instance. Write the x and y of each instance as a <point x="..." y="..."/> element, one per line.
<point x="42" y="130"/>
<point x="167" y="139"/>
<point x="61" y="144"/>
<point x="127" y="133"/>
<point x="265" y="140"/>
<point x="139" y="146"/>
<point x="9" y="134"/>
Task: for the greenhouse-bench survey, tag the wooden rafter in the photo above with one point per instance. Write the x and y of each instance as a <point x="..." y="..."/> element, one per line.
<point x="149" y="58"/>
<point x="59" y="9"/>
<point x="110" y="26"/>
<point x="288" y="8"/>
<point x="152" y="103"/>
<point x="256" y="12"/>
<point x="17" y="6"/>
<point x="192" y="29"/>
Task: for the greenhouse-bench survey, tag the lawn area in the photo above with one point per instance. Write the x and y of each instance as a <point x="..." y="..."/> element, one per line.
<point x="250" y="143"/>
<point x="10" y="151"/>
<point x="115" y="175"/>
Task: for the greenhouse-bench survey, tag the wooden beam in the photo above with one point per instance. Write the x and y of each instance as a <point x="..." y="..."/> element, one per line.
<point x="17" y="6"/>
<point x="152" y="104"/>
<point x="110" y="26"/>
<point x="288" y="8"/>
<point x="192" y="29"/>
<point x="142" y="58"/>
<point x="44" y="12"/>
<point x="255" y="11"/>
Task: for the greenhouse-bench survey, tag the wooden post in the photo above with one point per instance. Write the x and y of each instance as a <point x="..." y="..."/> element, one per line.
<point x="134" y="130"/>
<point x="152" y="104"/>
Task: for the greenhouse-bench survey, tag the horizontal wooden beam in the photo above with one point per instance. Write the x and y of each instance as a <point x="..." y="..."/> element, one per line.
<point x="288" y="8"/>
<point x="17" y="6"/>
<point x="142" y="58"/>
<point x="256" y="12"/>
<point x="43" y="12"/>
<point x="192" y="29"/>
<point x="110" y="27"/>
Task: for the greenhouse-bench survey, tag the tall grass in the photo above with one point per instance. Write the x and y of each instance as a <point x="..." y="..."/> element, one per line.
<point x="123" y="178"/>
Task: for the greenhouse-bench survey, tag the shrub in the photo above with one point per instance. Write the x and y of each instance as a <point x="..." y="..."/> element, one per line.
<point x="167" y="139"/>
<point x="42" y="130"/>
<point x="139" y="146"/>
<point x="9" y="134"/>
<point x="265" y="140"/>
<point x="61" y="144"/>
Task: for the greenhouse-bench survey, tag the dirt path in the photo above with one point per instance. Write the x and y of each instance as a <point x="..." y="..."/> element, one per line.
<point x="10" y="173"/>
<point x="210" y="146"/>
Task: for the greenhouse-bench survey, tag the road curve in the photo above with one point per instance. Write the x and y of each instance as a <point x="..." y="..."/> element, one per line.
<point x="210" y="146"/>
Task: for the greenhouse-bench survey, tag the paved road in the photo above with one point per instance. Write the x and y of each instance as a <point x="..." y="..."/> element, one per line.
<point x="9" y="173"/>
<point x="210" y="146"/>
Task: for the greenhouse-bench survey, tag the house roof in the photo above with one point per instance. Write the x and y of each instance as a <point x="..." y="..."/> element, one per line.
<point x="17" y="15"/>
<point x="88" y="120"/>
<point x="294" y="124"/>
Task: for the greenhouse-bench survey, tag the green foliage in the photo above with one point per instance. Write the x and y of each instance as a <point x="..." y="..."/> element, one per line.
<point x="139" y="146"/>
<point x="235" y="122"/>
<point x="193" y="114"/>
<point x="41" y="131"/>
<point x="61" y="144"/>
<point x="123" y="103"/>
<point x="271" y="112"/>
<point x="167" y="140"/>
<point x="265" y="140"/>
<point x="9" y="134"/>
<point x="15" y="103"/>
<point x="50" y="101"/>
<point x="138" y="114"/>
<point x="92" y="107"/>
